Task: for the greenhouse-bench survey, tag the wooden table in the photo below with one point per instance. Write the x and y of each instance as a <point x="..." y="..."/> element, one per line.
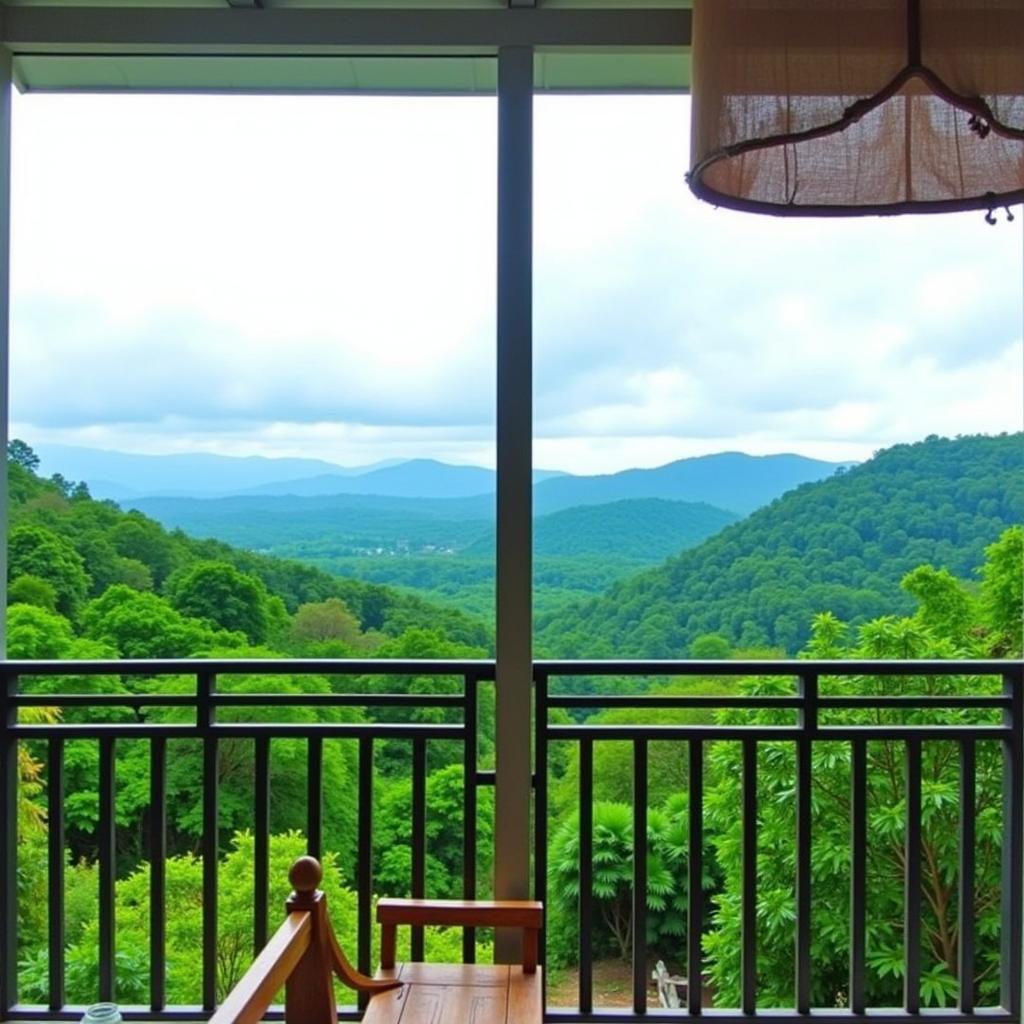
<point x="458" y="994"/>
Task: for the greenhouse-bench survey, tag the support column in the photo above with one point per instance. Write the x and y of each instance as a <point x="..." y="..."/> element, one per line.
<point x="5" y="316"/>
<point x="515" y="485"/>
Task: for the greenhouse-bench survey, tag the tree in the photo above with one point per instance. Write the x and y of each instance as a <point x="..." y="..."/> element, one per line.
<point x="884" y="638"/>
<point x="37" y="551"/>
<point x="612" y="879"/>
<point x="143" y="625"/>
<point x="319" y="621"/>
<point x="22" y="455"/>
<point x="30" y="589"/>
<point x="222" y="595"/>
<point x="944" y="605"/>
<point x="236" y="765"/>
<point x="1002" y="593"/>
<point x="444" y="818"/>
<point x="710" y="647"/>
<point x="35" y="633"/>
<point x="135" y="536"/>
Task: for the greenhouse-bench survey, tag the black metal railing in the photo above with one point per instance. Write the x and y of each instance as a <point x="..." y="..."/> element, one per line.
<point x="998" y="719"/>
<point x="211" y="732"/>
<point x="802" y="717"/>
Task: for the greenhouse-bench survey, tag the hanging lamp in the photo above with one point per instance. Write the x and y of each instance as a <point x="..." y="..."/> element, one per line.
<point x="849" y="107"/>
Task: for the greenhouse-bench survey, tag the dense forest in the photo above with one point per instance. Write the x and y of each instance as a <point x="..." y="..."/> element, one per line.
<point x="66" y="550"/>
<point x="444" y="548"/>
<point x="840" y="545"/>
<point x="87" y="580"/>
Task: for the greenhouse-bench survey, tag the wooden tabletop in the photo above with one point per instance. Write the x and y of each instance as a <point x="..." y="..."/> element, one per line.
<point x="458" y="994"/>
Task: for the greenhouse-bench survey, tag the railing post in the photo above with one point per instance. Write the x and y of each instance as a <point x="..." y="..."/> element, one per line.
<point x="1013" y="838"/>
<point x="748" y="907"/>
<point x="586" y="877"/>
<point x="55" y="872"/>
<point x="107" y="856"/>
<point x="540" y="794"/>
<point x="808" y="722"/>
<point x="471" y="722"/>
<point x="8" y="846"/>
<point x="261" y="841"/>
<point x="364" y="861"/>
<point x="912" y="880"/>
<point x="639" y="876"/>
<point x="158" y="873"/>
<point x="418" y="879"/>
<point x="205" y="718"/>
<point x="309" y="990"/>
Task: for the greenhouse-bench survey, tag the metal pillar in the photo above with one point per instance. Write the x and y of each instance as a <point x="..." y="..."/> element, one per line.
<point x="514" y="650"/>
<point x="5" y="311"/>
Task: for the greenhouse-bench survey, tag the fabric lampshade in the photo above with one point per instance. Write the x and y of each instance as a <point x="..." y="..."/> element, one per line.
<point x="845" y="107"/>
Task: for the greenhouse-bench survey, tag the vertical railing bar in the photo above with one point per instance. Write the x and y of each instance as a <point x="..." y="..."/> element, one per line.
<point x="157" y="874"/>
<point x="858" y="873"/>
<point x="808" y="721"/>
<point x="586" y="876"/>
<point x="748" y="924"/>
<point x="639" y="876"/>
<point x="966" y="912"/>
<point x="912" y="881"/>
<point x="364" y="860"/>
<point x="695" y="881"/>
<point x="205" y="714"/>
<point x="469" y="807"/>
<point x="105" y="848"/>
<point x="1012" y="846"/>
<point x="261" y="843"/>
<point x="417" y="883"/>
<point x="540" y="794"/>
<point x="9" y="845"/>
<point x="314" y="796"/>
<point x="55" y="881"/>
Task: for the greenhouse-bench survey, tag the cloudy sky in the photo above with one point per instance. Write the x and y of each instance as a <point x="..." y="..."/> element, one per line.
<point x="315" y="276"/>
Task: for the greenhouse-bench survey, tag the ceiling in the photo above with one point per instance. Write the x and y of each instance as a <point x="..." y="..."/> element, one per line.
<point x="335" y="46"/>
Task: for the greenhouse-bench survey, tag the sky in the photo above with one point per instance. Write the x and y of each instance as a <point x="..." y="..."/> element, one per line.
<point x="315" y="276"/>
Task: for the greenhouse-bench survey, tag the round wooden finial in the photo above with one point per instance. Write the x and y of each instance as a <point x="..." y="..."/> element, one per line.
<point x="306" y="874"/>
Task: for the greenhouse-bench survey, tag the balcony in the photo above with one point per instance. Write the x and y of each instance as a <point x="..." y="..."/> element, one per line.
<point x="781" y="745"/>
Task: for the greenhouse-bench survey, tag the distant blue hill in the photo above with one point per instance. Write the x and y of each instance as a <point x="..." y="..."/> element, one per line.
<point x="417" y="478"/>
<point x="121" y="475"/>
<point x="125" y="476"/>
<point x="728" y="480"/>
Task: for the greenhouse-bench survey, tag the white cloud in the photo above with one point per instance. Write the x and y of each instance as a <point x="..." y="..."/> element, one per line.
<point x="316" y="276"/>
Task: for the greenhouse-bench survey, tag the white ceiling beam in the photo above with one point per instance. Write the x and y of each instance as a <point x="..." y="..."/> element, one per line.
<point x="300" y="31"/>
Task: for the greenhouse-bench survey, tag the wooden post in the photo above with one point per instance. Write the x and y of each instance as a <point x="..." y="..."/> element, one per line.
<point x="309" y="991"/>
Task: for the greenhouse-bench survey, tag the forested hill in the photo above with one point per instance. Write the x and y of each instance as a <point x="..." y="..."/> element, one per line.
<point x="840" y="545"/>
<point x="87" y="572"/>
<point x="643" y="529"/>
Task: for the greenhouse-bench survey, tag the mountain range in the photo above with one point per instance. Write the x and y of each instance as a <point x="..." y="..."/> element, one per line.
<point x="733" y="481"/>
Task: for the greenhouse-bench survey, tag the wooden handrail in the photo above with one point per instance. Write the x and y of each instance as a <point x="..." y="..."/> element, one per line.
<point x="247" y="1002"/>
<point x="302" y="956"/>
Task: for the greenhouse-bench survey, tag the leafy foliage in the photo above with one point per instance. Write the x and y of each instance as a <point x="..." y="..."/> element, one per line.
<point x="841" y="545"/>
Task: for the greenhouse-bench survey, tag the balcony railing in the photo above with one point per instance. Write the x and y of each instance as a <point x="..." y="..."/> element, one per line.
<point x="796" y="718"/>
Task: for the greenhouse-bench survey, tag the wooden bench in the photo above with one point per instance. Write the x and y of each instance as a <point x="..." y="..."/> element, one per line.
<point x="304" y="956"/>
<point x="450" y="993"/>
